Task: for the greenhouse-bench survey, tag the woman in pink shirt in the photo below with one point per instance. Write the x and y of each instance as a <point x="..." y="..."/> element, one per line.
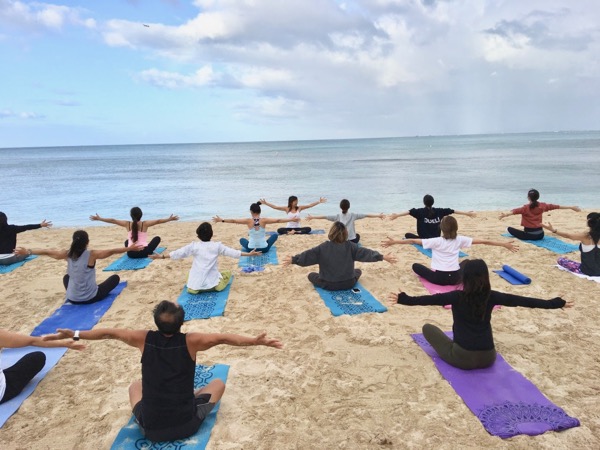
<point x="137" y="231"/>
<point x="531" y="217"/>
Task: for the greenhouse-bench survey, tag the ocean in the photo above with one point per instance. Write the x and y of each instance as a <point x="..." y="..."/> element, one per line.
<point x="196" y="181"/>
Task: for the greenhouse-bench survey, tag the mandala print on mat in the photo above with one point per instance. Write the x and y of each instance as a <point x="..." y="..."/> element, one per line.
<point x="351" y="302"/>
<point x="510" y="419"/>
<point x="259" y="260"/>
<point x="200" y="307"/>
<point x="203" y="375"/>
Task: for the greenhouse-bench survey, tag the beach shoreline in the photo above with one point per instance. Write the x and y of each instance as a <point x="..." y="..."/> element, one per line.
<point x="348" y="382"/>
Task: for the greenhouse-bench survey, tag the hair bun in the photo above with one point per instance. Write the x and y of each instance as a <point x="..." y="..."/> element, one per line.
<point x="258" y="203"/>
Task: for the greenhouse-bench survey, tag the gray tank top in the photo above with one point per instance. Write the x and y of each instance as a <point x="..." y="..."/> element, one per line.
<point x="82" y="280"/>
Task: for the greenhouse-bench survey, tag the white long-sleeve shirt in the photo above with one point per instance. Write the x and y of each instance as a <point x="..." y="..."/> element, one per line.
<point x="204" y="273"/>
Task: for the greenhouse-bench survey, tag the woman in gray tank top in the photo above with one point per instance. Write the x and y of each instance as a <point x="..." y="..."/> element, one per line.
<point x="80" y="280"/>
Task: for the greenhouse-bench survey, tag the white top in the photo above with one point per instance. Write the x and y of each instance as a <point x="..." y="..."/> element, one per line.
<point x="2" y="380"/>
<point x="204" y="273"/>
<point x="445" y="252"/>
<point x="293" y="215"/>
<point x="588" y="247"/>
<point x="348" y="221"/>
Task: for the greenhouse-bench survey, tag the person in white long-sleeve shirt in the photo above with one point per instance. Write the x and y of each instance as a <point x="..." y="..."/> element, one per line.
<point x="204" y="275"/>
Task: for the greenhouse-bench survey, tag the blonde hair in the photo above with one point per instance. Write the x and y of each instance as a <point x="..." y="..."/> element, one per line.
<point x="338" y="233"/>
<point x="449" y="227"/>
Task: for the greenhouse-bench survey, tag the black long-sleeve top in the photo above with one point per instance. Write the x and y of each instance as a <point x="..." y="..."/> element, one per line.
<point x="470" y="332"/>
<point x="336" y="261"/>
<point x="8" y="236"/>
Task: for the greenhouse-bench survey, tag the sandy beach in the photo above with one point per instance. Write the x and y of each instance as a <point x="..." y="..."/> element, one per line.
<point x="349" y="382"/>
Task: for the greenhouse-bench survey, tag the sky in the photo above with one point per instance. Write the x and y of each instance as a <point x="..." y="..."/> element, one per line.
<point x="174" y="71"/>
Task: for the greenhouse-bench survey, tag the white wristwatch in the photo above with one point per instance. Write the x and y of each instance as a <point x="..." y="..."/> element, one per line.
<point x="76" y="335"/>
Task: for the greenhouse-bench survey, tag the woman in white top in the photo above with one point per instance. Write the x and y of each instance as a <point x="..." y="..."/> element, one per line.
<point x="204" y="275"/>
<point x="13" y="379"/>
<point x="445" y="269"/>
<point x="348" y="219"/>
<point x="293" y="211"/>
<point x="137" y="231"/>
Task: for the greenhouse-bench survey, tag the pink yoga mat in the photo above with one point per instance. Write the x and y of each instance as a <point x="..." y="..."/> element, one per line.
<point x="437" y="289"/>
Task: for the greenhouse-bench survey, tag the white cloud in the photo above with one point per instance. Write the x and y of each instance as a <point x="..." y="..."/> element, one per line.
<point x="172" y="80"/>
<point x="36" y="16"/>
<point x="9" y="113"/>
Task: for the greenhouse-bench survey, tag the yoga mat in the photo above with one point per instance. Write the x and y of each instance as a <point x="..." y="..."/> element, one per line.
<point x="270" y="233"/>
<point x="438" y="289"/>
<point x="261" y="260"/>
<point x="127" y="263"/>
<point x="204" y="304"/>
<point x="9" y="357"/>
<point x="67" y="316"/>
<point x="428" y="252"/>
<point x="580" y="275"/>
<point x="130" y="436"/>
<point x="513" y="276"/>
<point x="351" y="303"/>
<point x="506" y="403"/>
<point x="550" y="243"/>
<point x="82" y="317"/>
<point x="9" y="268"/>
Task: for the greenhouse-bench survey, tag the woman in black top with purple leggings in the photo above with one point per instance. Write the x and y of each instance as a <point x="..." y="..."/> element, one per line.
<point x="473" y="344"/>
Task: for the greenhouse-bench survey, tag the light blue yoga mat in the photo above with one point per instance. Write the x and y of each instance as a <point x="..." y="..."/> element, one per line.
<point x="550" y="243"/>
<point x="130" y="436"/>
<point x="349" y="302"/>
<point x="9" y="268"/>
<point x="127" y="263"/>
<point x="260" y="260"/>
<point x="9" y="357"/>
<point x="513" y="276"/>
<point x="204" y="304"/>
<point x="82" y="317"/>
<point x="429" y="253"/>
<point x="73" y="316"/>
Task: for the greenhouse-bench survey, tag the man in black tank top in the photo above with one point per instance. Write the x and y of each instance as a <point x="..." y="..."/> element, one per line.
<point x="164" y="402"/>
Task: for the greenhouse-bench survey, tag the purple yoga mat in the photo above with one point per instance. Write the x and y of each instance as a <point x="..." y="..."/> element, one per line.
<point x="506" y="403"/>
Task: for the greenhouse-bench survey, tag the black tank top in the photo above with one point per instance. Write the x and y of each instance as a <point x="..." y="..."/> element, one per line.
<point x="168" y="407"/>
<point x="590" y="261"/>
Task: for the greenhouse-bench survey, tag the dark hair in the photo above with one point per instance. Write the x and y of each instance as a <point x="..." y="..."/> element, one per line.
<point x="204" y="232"/>
<point x="476" y="287"/>
<point x="428" y="202"/>
<point x="136" y="216"/>
<point x="79" y="244"/>
<point x="345" y="206"/>
<point x="533" y="195"/>
<point x="449" y="227"/>
<point x="593" y="221"/>
<point x="338" y="233"/>
<point x="291" y="200"/>
<point x="255" y="208"/>
<point x="3" y="221"/>
<point x="168" y="317"/>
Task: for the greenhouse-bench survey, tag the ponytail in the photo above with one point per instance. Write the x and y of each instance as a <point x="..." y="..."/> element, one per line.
<point x="533" y="195"/>
<point x="79" y="244"/>
<point x="593" y="221"/>
<point x="136" y="216"/>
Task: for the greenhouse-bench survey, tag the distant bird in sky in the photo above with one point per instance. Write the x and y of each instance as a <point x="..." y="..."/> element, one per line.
<point x="147" y="26"/>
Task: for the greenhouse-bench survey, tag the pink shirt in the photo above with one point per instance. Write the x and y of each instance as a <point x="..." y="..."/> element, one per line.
<point x="532" y="218"/>
<point x="142" y="238"/>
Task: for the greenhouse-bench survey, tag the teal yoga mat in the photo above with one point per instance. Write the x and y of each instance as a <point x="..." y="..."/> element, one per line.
<point x="204" y="304"/>
<point x="10" y="267"/>
<point x="261" y="260"/>
<point x="130" y="436"/>
<point x="127" y="263"/>
<point x="550" y="243"/>
<point x="350" y="302"/>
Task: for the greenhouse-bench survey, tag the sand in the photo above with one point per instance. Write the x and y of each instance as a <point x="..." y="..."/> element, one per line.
<point x="350" y="382"/>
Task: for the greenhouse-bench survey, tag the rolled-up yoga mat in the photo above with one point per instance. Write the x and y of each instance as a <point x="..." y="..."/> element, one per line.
<point x="513" y="276"/>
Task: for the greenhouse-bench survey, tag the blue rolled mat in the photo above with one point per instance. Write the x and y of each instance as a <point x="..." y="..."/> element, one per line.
<point x="513" y="276"/>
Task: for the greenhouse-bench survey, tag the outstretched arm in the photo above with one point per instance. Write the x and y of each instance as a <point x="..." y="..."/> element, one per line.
<point x="151" y="223"/>
<point x="396" y="215"/>
<point x="267" y="220"/>
<point x="121" y="223"/>
<point x="310" y="217"/>
<point x="503" y="215"/>
<point x="10" y="339"/>
<point x="310" y="205"/>
<point x="574" y="208"/>
<point x="471" y="214"/>
<point x="508" y="244"/>
<point x="204" y="341"/>
<point x="389" y="242"/>
<point x="101" y="254"/>
<point x="376" y="216"/>
<point x="575" y="236"/>
<point x="271" y="205"/>
<point x="217" y="219"/>
<point x="56" y="254"/>
<point x="135" y="338"/>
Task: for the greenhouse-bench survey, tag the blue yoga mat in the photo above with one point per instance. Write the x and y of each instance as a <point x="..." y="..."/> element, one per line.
<point x="130" y="436"/>
<point x="127" y="263"/>
<point x="204" y="304"/>
<point x="505" y="402"/>
<point x="261" y="260"/>
<point x="429" y="253"/>
<point x="550" y="243"/>
<point x="9" y="268"/>
<point x="82" y="317"/>
<point x="513" y="276"/>
<point x="9" y="357"/>
<point x="349" y="302"/>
